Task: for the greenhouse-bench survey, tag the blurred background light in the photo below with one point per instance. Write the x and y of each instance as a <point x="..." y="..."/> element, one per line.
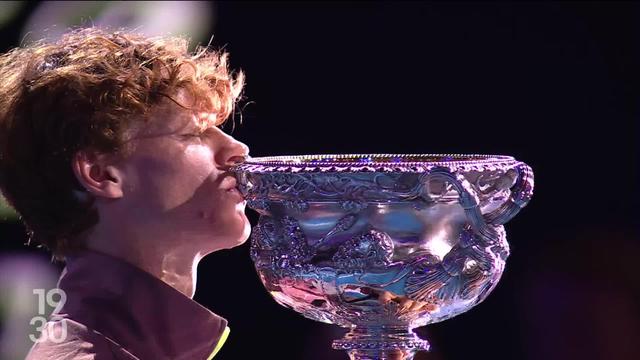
<point x="6" y="212"/>
<point x="193" y="19"/>
<point x="8" y="11"/>
<point x="19" y="276"/>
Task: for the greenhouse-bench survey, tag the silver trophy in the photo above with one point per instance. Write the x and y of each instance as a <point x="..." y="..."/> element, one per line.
<point x="382" y="243"/>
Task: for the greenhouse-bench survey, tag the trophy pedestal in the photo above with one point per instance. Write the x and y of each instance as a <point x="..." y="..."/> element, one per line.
<point x="381" y="343"/>
<point x="381" y="354"/>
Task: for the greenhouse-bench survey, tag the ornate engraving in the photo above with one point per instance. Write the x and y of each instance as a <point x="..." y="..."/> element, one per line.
<point x="370" y="250"/>
<point x="342" y="187"/>
<point x="258" y="204"/>
<point x="462" y="274"/>
<point x="263" y="237"/>
<point x="298" y="251"/>
<point x="354" y="207"/>
<point x="345" y="223"/>
<point x="297" y="205"/>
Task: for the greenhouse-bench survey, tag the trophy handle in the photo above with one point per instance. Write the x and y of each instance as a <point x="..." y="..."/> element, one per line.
<point x="521" y="193"/>
<point x="470" y="202"/>
<point x="484" y="224"/>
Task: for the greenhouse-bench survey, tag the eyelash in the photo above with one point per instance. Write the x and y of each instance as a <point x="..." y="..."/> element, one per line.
<point x="199" y="135"/>
<point x="192" y="136"/>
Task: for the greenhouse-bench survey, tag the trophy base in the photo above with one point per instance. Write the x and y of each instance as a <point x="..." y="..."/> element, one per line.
<point x="381" y="343"/>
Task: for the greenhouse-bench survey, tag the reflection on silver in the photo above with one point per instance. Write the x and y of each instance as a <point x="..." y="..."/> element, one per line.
<point x="382" y="243"/>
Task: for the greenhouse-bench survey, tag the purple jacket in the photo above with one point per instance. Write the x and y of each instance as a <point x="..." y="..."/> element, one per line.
<point x="115" y="310"/>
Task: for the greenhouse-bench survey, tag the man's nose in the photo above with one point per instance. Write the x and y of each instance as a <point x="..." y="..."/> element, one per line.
<point x="232" y="152"/>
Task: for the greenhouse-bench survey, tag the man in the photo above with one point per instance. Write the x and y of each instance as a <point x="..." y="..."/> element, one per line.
<point x="111" y="154"/>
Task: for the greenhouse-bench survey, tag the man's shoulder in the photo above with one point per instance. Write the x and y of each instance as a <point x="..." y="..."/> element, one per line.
<point x="67" y="339"/>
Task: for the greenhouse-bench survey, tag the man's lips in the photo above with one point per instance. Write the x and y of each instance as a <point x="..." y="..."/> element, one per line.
<point x="236" y="192"/>
<point x="229" y="183"/>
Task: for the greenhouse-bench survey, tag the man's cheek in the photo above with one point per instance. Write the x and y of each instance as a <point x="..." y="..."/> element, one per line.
<point x="199" y="153"/>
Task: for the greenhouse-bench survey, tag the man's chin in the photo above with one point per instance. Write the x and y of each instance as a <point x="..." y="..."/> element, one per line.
<point x="241" y="239"/>
<point x="247" y="231"/>
<point x="233" y="244"/>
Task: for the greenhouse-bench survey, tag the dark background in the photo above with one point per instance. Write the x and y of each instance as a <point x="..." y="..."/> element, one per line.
<point x="552" y="84"/>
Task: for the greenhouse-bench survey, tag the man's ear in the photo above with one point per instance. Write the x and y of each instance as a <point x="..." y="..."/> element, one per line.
<point x="97" y="175"/>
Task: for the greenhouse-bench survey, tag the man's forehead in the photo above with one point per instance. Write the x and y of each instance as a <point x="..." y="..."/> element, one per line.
<point x="172" y="118"/>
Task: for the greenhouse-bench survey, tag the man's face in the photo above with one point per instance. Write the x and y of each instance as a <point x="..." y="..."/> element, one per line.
<point x="177" y="179"/>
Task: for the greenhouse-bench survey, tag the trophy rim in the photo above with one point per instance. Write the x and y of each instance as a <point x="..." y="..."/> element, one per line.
<point x="369" y="162"/>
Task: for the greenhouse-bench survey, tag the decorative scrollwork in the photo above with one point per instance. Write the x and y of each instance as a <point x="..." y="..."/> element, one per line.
<point x="297" y="250"/>
<point x="368" y="251"/>
<point x="263" y="238"/>
<point x="345" y="223"/>
<point x="347" y="188"/>
<point x="297" y="205"/>
<point x="521" y="193"/>
<point x="354" y="186"/>
<point x="352" y="206"/>
<point x="462" y="274"/>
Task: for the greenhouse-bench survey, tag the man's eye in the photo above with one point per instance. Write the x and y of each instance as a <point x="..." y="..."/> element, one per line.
<point x="197" y="135"/>
<point x="191" y="136"/>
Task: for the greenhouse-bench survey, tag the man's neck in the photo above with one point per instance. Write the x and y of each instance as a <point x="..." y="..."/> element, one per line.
<point x="174" y="263"/>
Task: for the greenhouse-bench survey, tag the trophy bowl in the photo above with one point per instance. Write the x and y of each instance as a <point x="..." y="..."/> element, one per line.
<point x="382" y="243"/>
